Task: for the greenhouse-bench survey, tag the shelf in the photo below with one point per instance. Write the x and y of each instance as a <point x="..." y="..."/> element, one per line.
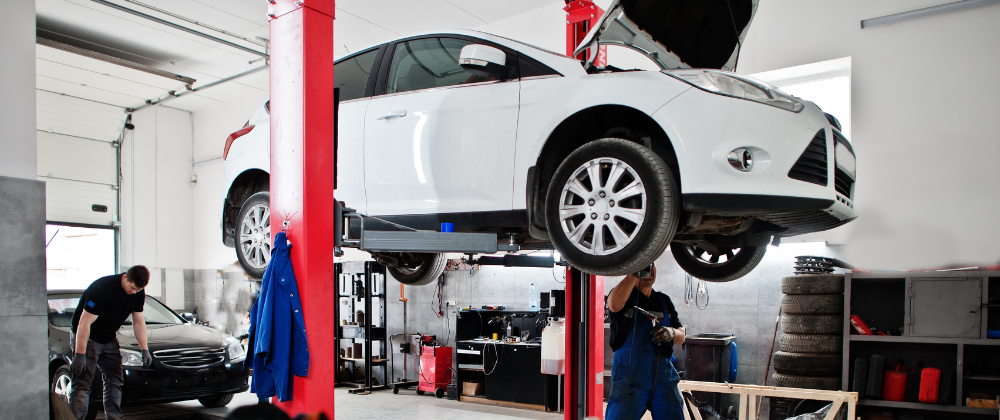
<point x="925" y="340"/>
<point x="355" y="359"/>
<point x="928" y="407"/>
<point x="982" y="378"/>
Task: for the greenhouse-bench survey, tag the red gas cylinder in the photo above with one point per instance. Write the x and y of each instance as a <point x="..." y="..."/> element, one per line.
<point x="894" y="384"/>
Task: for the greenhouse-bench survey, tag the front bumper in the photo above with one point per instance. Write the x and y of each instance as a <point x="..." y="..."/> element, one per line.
<point x="705" y="127"/>
<point x="162" y="384"/>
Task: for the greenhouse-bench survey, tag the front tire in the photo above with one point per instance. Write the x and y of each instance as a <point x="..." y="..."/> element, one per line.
<point x="612" y="207"/>
<point x="253" y="234"/>
<point x="216" y="401"/>
<point x="708" y="266"/>
<point x="413" y="269"/>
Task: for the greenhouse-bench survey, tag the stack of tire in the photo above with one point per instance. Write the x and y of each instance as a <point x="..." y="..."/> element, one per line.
<point x="812" y="324"/>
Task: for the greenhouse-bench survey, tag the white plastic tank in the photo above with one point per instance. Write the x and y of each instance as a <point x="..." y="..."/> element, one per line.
<point x="554" y="348"/>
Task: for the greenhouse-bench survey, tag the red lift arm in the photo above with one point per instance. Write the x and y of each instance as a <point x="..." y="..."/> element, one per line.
<point x="302" y="178"/>
<point x="584" y="292"/>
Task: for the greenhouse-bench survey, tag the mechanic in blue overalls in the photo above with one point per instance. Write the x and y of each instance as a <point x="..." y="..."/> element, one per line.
<point x="642" y="376"/>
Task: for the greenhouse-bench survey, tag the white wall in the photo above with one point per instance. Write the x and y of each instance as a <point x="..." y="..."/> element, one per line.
<point x="156" y="192"/>
<point x="925" y="101"/>
<point x="17" y="103"/>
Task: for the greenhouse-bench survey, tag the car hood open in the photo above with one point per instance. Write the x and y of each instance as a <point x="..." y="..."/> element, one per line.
<point x="676" y="33"/>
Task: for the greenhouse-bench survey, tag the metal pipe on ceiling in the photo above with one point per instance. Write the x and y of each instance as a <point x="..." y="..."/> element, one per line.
<point x="179" y="27"/>
<point x="199" y="88"/>
<point x="189" y="20"/>
<point x="927" y="11"/>
<point x="113" y="60"/>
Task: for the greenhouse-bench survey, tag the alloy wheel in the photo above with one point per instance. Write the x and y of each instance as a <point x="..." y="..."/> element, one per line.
<point x="62" y="386"/>
<point x="602" y="206"/>
<point x="255" y="236"/>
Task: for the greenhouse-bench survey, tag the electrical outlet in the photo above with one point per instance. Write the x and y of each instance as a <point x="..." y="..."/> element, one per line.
<point x="451" y="303"/>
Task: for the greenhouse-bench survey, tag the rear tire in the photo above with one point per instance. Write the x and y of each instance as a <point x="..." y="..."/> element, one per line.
<point x="253" y="234"/>
<point x="698" y="262"/>
<point x="414" y="269"/>
<point x="216" y="401"/>
<point x="612" y="207"/>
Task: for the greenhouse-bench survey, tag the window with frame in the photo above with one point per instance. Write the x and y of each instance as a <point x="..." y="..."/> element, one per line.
<point x="428" y="63"/>
<point x="351" y="75"/>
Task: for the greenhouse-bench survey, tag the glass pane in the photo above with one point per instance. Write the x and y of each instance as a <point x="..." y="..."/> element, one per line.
<point x="61" y="311"/>
<point x="76" y="256"/>
<point x="351" y="75"/>
<point x="428" y="63"/>
<point x="155" y="313"/>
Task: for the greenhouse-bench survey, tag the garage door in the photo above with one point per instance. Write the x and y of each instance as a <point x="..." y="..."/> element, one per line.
<point x="77" y="158"/>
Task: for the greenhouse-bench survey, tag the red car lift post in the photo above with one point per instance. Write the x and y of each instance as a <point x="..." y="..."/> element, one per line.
<point x="584" y="292"/>
<point x="302" y="178"/>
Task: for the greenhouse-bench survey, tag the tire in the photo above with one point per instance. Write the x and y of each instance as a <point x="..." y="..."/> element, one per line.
<point x="813" y="304"/>
<point x="704" y="265"/>
<point x="413" y="269"/>
<point x="812" y="343"/>
<point x="827" y="383"/>
<point x="807" y="364"/>
<point x="395" y="390"/>
<point x="812" y="324"/>
<point x="813" y="284"/>
<point x="439" y="393"/>
<point x="253" y="234"/>
<point x="216" y="401"/>
<point x="420" y="392"/>
<point x="622" y="246"/>
<point x="60" y="385"/>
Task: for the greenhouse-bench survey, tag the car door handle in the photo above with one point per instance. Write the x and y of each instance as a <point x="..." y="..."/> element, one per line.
<point x="393" y="114"/>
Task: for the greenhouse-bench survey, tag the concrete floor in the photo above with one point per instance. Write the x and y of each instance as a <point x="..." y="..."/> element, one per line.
<point x="406" y="405"/>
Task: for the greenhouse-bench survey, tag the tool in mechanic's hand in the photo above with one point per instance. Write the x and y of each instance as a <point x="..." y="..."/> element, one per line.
<point x="655" y="316"/>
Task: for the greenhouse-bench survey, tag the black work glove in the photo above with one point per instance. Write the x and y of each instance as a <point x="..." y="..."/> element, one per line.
<point x="79" y="366"/>
<point x="663" y="335"/>
<point x="147" y="359"/>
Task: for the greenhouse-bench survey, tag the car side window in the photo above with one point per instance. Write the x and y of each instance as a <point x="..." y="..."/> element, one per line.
<point x="351" y="75"/>
<point x="428" y="63"/>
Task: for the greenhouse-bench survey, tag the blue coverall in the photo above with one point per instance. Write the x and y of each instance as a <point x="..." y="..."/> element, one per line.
<point x="642" y="378"/>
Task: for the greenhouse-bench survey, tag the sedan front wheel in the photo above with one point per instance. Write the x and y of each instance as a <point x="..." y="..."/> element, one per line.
<point x="612" y="207"/>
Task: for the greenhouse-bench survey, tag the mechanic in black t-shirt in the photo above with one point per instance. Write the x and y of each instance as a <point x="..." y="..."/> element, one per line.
<point x="644" y="329"/>
<point x="102" y="310"/>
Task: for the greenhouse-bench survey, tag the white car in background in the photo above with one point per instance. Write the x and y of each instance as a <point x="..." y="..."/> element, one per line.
<point x="608" y="166"/>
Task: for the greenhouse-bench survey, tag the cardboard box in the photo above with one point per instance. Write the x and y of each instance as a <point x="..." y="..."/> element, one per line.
<point x="981" y="403"/>
<point x="472" y="388"/>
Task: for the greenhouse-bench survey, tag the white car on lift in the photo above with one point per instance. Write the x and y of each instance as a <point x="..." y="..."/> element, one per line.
<point x="608" y="166"/>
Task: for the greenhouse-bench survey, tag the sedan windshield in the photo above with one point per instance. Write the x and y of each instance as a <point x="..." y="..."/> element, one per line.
<point x="61" y="310"/>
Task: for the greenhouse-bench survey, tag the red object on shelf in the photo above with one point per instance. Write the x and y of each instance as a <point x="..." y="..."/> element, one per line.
<point x="435" y="368"/>
<point x="894" y="384"/>
<point x="859" y="326"/>
<point x="930" y="384"/>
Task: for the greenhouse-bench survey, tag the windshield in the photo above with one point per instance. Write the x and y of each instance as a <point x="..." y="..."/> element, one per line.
<point x="61" y="310"/>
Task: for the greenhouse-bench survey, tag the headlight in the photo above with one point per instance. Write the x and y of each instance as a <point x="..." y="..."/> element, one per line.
<point x="845" y="159"/>
<point x="236" y="351"/>
<point x="131" y="358"/>
<point x="730" y="84"/>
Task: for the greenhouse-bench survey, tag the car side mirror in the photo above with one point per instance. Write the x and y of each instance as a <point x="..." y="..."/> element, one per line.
<point x="188" y="316"/>
<point x="484" y="61"/>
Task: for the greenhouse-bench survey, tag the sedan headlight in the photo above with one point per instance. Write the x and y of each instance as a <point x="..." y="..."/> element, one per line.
<point x="131" y="358"/>
<point x="236" y="351"/>
<point x="730" y="84"/>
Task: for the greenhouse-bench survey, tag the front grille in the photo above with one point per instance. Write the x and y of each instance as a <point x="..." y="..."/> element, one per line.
<point x="194" y="392"/>
<point x="191" y="358"/>
<point x="843" y="182"/>
<point x="812" y="165"/>
<point x="801" y="222"/>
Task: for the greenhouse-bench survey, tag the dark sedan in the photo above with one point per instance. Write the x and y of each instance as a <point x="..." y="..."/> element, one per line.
<point x="189" y="361"/>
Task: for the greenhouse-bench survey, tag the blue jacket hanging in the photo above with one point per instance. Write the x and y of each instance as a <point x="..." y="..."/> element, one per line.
<point x="277" y="331"/>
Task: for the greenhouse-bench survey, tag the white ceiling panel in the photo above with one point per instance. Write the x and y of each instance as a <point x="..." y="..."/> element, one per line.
<point x="493" y="11"/>
<point x="71" y="88"/>
<point x="45" y="55"/>
<point x="77" y="117"/>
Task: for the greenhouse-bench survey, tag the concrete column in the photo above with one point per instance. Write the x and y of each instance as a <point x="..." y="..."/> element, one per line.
<point x="24" y="391"/>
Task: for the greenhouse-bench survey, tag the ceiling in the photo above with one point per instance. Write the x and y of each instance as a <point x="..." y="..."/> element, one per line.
<point x="101" y="28"/>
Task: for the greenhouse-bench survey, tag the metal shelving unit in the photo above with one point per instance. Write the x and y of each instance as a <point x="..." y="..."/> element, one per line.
<point x="371" y="329"/>
<point x="940" y="318"/>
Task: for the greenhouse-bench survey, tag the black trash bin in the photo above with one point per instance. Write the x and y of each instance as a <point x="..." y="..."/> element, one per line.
<point x="707" y="358"/>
